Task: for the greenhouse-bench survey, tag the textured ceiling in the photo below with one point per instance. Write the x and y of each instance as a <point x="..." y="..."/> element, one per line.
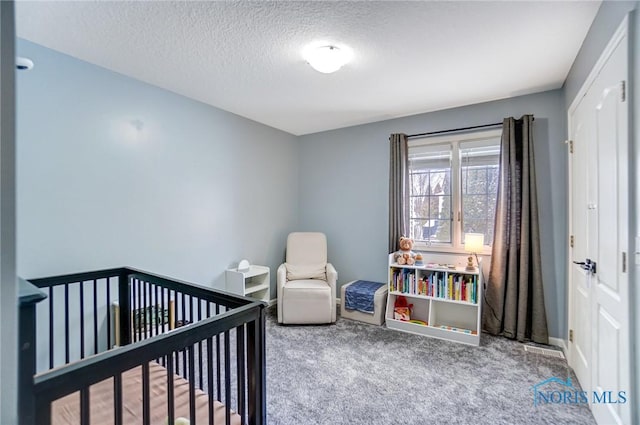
<point x="246" y="57"/>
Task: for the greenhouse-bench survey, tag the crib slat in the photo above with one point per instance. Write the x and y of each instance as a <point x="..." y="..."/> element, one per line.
<point x="227" y="378"/>
<point x="146" y="403"/>
<point x="200" y="344"/>
<point x="66" y="323"/>
<point x="240" y="371"/>
<point x="148" y="308"/>
<point x="164" y="363"/>
<point x="95" y="317"/>
<point x="136" y="330"/>
<point x="117" y="399"/>
<point x="108" y="313"/>
<point x="125" y="308"/>
<point x="219" y="388"/>
<point x="184" y="352"/>
<point x="84" y="406"/>
<point x="210" y="377"/>
<point x="143" y="313"/>
<point x="170" y="401"/>
<point x="192" y="386"/>
<point x="82" y="320"/>
<point x="51" y="327"/>
<point x="159" y="309"/>
<point x="191" y="308"/>
<point x="176" y="358"/>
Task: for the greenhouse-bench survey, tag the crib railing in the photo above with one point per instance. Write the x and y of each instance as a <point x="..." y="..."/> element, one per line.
<point x="186" y="328"/>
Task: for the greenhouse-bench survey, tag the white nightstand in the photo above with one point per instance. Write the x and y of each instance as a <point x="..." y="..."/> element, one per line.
<point x="255" y="282"/>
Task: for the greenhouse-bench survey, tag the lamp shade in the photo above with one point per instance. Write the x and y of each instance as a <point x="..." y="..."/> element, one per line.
<point x="473" y="242"/>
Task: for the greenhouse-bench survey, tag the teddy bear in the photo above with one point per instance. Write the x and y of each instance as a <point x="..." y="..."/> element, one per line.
<point x="405" y="255"/>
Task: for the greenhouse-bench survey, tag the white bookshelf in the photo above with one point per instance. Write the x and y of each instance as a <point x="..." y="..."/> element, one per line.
<point x="448" y="300"/>
<point x="255" y="282"/>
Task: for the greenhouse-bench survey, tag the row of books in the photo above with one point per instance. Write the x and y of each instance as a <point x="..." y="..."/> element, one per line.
<point x="449" y="286"/>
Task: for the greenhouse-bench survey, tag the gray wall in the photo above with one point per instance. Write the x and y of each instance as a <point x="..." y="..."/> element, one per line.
<point x="8" y="305"/>
<point x="605" y="24"/>
<point x="344" y="188"/>
<point x="112" y="172"/>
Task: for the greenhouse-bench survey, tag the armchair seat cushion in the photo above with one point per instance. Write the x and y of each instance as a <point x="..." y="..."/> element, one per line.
<point x="307" y="284"/>
<point x="308" y="301"/>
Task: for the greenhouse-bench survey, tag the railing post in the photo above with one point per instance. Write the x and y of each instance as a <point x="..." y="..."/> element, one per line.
<point x="29" y="296"/>
<point x="124" y="301"/>
<point x="256" y="369"/>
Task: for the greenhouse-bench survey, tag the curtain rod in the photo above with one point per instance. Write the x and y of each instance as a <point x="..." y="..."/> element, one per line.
<point x="453" y="130"/>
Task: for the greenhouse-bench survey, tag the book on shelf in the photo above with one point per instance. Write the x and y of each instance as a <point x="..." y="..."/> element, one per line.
<point x="461" y="330"/>
<point x="435" y="284"/>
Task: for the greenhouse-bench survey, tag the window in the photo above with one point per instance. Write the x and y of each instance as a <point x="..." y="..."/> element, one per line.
<point x="454" y="183"/>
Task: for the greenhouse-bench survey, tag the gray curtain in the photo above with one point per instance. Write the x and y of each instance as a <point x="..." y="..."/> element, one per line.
<point x="398" y="189"/>
<point x="514" y="299"/>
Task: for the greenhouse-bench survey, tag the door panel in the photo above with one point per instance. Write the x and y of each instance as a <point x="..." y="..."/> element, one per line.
<point x="580" y="295"/>
<point x="607" y="242"/>
<point x="610" y="296"/>
<point x="608" y="378"/>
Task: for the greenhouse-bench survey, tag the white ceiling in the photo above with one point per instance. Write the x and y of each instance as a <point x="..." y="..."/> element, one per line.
<point x="246" y="57"/>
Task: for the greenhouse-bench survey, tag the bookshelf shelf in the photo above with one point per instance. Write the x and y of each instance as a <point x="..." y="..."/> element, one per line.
<point x="447" y="299"/>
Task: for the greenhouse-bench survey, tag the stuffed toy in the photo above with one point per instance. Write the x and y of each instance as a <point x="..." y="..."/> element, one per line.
<point x="401" y="309"/>
<point x="405" y="255"/>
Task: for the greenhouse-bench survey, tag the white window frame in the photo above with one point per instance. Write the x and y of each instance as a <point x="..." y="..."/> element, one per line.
<point x="456" y="246"/>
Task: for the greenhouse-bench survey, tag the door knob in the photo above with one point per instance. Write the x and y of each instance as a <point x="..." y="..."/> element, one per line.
<point x="587" y="265"/>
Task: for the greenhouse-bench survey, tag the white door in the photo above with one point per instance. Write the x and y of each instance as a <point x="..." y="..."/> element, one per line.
<point x="580" y="294"/>
<point x="599" y="316"/>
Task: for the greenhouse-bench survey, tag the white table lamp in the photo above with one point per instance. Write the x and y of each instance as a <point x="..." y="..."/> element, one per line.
<point x="473" y="243"/>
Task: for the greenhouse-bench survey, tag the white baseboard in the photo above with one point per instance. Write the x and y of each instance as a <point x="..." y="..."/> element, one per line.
<point x="559" y="342"/>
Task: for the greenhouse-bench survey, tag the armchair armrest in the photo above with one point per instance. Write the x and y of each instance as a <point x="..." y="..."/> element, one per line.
<point x="332" y="279"/>
<point x="281" y="279"/>
<point x="332" y="274"/>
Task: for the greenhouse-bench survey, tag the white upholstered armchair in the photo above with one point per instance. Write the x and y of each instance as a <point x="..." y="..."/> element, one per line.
<point x="306" y="282"/>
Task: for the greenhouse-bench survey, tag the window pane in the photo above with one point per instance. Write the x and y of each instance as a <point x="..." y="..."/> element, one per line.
<point x="440" y="182"/>
<point x="430" y="197"/>
<point x="475" y="206"/>
<point x="419" y="207"/>
<point x="492" y="178"/>
<point x="431" y="230"/>
<point x="474" y="180"/>
<point x="479" y="169"/>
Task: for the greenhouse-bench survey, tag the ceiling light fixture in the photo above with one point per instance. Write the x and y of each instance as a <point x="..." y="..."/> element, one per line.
<point x="327" y="59"/>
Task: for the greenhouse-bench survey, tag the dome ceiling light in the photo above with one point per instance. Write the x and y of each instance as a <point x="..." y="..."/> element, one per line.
<point x="328" y="58"/>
